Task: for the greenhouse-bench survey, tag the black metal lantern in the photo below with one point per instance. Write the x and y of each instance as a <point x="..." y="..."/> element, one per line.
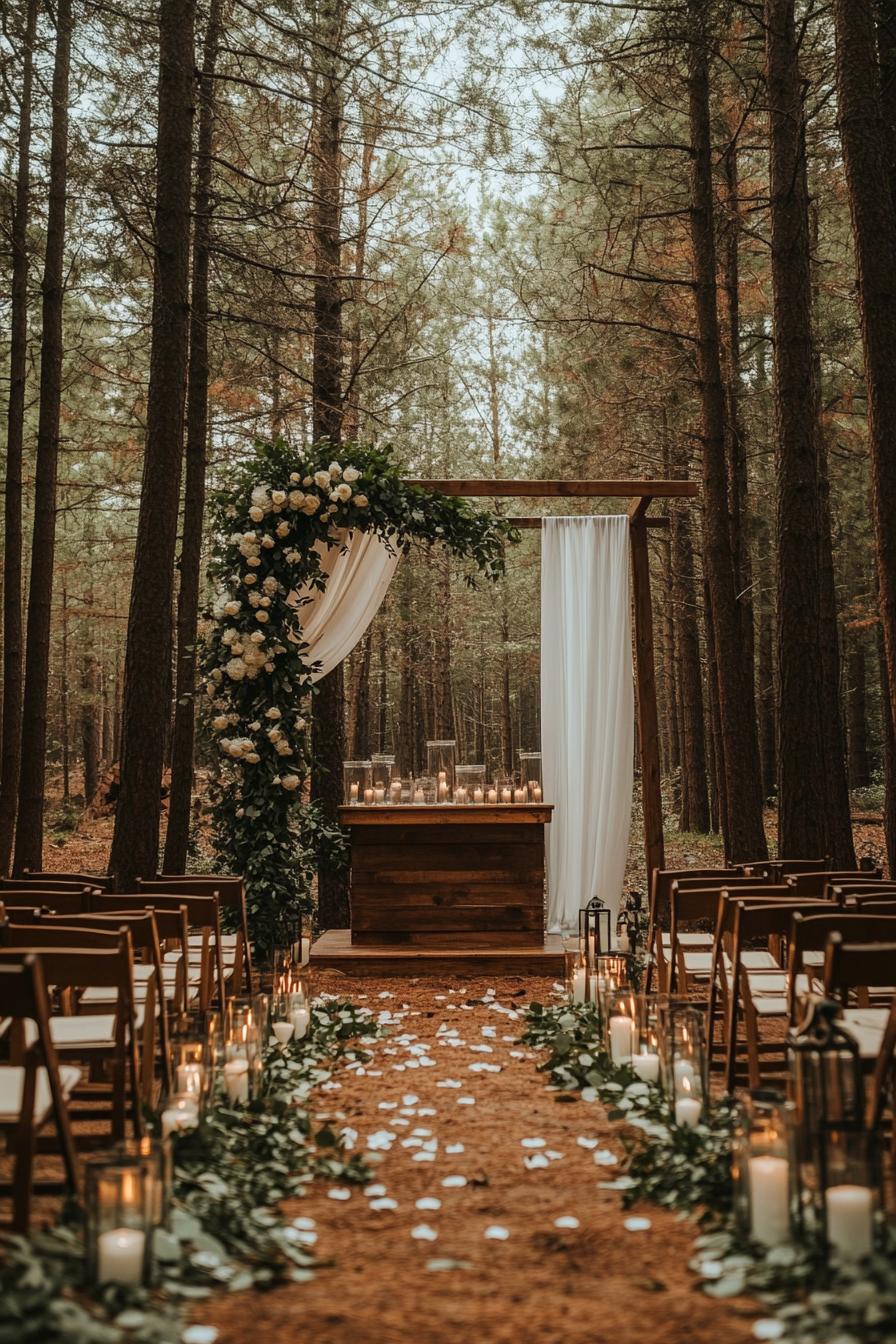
<point x="835" y="1155"/>
<point x="594" y="928"/>
<point x="292" y="949"/>
<point x="628" y="923"/>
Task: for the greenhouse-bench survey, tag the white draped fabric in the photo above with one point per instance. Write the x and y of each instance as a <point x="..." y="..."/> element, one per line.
<point x="587" y="710"/>
<point x="334" y="620"/>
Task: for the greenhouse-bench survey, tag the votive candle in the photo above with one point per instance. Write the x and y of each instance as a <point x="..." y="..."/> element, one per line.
<point x="769" y="1199"/>
<point x="849" y="1210"/>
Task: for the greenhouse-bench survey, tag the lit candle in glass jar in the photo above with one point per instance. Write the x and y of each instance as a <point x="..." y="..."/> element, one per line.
<point x="519" y="795"/>
<point x="506" y="794"/>
<point x="353" y="792"/>
<point x="443" y="791"/>
<point x="368" y="797"/>
<point x="849" y="1210"/>
<point x="120" y="1256"/>
<point x="236" y="1079"/>
<point x="477" y="795"/>
<point x="379" y="794"/>
<point x="395" y="791"/>
<point x="493" y="795"/>
<point x="536" y="793"/>
<point x="418" y="796"/>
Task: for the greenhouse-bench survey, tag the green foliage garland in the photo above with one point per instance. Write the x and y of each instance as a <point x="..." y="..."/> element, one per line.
<point x="690" y="1170"/>
<point x="277" y="514"/>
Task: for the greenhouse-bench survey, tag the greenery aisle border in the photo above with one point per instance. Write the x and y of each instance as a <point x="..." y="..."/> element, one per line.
<point x="224" y="1231"/>
<point x="273" y="525"/>
<point x="689" y="1170"/>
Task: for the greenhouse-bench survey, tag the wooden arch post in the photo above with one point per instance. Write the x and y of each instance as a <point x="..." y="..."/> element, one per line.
<point x="641" y="494"/>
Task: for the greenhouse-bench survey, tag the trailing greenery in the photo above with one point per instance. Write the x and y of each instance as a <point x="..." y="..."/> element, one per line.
<point x="274" y="523"/>
<point x="224" y="1231"/>
<point x="809" y="1302"/>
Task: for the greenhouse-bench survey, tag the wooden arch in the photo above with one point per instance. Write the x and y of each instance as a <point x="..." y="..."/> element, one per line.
<point x="641" y="495"/>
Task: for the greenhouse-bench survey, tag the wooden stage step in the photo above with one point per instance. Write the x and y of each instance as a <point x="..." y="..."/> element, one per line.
<point x="334" y="951"/>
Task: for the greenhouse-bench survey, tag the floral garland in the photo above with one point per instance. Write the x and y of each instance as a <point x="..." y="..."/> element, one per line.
<point x="229" y="1174"/>
<point x="278" y="515"/>
<point x="690" y="1170"/>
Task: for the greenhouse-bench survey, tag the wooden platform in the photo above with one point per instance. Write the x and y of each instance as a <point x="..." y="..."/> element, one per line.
<point x="335" y="951"/>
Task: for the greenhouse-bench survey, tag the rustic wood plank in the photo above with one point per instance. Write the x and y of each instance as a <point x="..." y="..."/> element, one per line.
<point x="489" y="487"/>
<point x="452" y="918"/>
<point x="453" y="939"/>
<point x="533" y="524"/>
<point x="413" y="857"/>
<point x="335" y="951"/>
<point x="478" y="814"/>
<point x="479" y="887"/>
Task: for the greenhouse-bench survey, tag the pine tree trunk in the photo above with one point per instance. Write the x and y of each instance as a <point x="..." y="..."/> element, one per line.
<point x="147" y="669"/>
<point x="767" y="691"/>
<point x="64" y="734"/>
<point x="859" y="769"/>
<point x="29" y="830"/>
<point x="13" y="634"/>
<point x="177" y="836"/>
<point x="867" y="158"/>
<point x="808" y="801"/>
<point x="91" y="729"/>
<point x="742" y="816"/>
<point x="328" y="729"/>
<point x="888" y="735"/>
<point x="696" y="817"/>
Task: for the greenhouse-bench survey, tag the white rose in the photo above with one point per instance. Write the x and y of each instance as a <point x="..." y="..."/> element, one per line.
<point x="335" y="470"/>
<point x="311" y="505"/>
<point x="343" y="492"/>
<point x="232" y="608"/>
<point x="264" y="601"/>
<point x="254" y="599"/>
<point x="230" y="636"/>
<point x="262" y="616"/>
<point x="235" y="669"/>
<point x="298" y="724"/>
<point x="254" y="726"/>
<point x="267" y="543"/>
<point x="253" y="561"/>
<point x="249" y="579"/>
<point x="256" y="514"/>
<point x="217" y="675"/>
<point x="254" y="656"/>
<point x="284" y="749"/>
<point x="270" y="584"/>
<point x="361" y="501"/>
<point x="294" y="477"/>
<point x="269" y="667"/>
<point x="307" y="480"/>
<point x="236" y="647"/>
<point x="283" y="529"/>
<point x="351" y="474"/>
<point x="230" y="511"/>
<point x="274" y="734"/>
<point x="259" y="495"/>
<point x="322" y="479"/>
<point x="292" y="557"/>
<point x="290" y="782"/>
<point x="253" y="757"/>
<point x="273" y="713"/>
<point x="332" y="508"/>
<point x="248" y="538"/>
<point x="220" y="722"/>
<point x="224" y="744"/>
<point x="296" y="499"/>
<point x="257" y="637"/>
<point x="276" y="779"/>
<point x="278" y="496"/>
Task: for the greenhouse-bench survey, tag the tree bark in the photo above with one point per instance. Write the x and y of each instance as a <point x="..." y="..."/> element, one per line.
<point x="742" y="817"/>
<point x="859" y="768"/>
<point x="13" y="641"/>
<point x="888" y="734"/>
<point x="177" y="836"/>
<point x="695" y="795"/>
<point x="809" y="800"/>
<point x="29" y="831"/>
<point x="147" y="670"/>
<point x="867" y="163"/>
<point x="328" y="729"/>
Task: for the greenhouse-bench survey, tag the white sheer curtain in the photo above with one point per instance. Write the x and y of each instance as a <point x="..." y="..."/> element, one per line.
<point x="587" y="710"/>
<point x="359" y="575"/>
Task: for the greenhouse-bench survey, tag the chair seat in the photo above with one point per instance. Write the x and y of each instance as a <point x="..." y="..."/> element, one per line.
<point x="228" y="940"/>
<point x="91" y="1031"/>
<point x="700" y="963"/>
<point x="12" y="1082"/>
<point x="689" y="939"/>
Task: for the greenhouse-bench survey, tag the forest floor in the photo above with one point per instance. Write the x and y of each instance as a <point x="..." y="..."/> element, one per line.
<point x="458" y="1237"/>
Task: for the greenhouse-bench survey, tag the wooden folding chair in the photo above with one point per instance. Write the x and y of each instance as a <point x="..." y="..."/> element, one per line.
<point x="82" y="879"/>
<point x="776" y="870"/>
<point x="149" y="978"/>
<point x="231" y="893"/>
<point x="808" y="939"/>
<point x="857" y="968"/>
<point x="60" y="901"/>
<point x="203" y="915"/>
<point x="691" y="954"/>
<point x="882" y="1077"/>
<point x="33" y="1088"/>
<point x="855" y="893"/>
<point x="658" y="936"/>
<point x="816" y="884"/>
<point x="762" y="993"/>
<point x="76" y="959"/>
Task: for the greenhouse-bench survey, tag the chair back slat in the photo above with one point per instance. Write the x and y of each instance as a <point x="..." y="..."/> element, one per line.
<point x="93" y="880"/>
<point x="231" y="892"/>
<point x="857" y="966"/>
<point x="810" y="933"/>
<point x="815" y="884"/>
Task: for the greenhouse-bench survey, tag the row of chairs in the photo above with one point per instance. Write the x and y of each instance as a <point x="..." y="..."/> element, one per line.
<point x="751" y="949"/>
<point x="87" y="982"/>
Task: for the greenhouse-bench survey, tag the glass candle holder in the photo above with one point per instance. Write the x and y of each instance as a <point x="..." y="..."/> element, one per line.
<point x="577" y="979"/>
<point x="153" y="1156"/>
<point x="386" y="780"/>
<point x="645" y="1059"/>
<point x="852" y="1194"/>
<point x="357" y="780"/>
<point x="179" y="1111"/>
<point x="191" y="1056"/>
<point x="118" y="1224"/>
<point x="621" y="1026"/>
<point x="243" y="1044"/>
<point x="440" y="765"/>
<point x="504" y="788"/>
<point x="530" y="775"/>
<point x="684" y="1059"/>
<point x="469" y="784"/>
<point x="761" y="1169"/>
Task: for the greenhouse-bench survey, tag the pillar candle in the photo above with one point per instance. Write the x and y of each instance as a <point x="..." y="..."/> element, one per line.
<point x="493" y="795"/>
<point x="353" y="792"/>
<point x="620" y="1039"/>
<point x="578" y="985"/>
<point x="236" y="1079"/>
<point x="519" y="795"/>
<point x="623" y="940"/>
<point x="478" y="796"/>
<point x="460" y="794"/>
<point x="379" y="794"/>
<point x="647" y="1066"/>
<point x="536" y="793"/>
<point x="300" y="1019"/>
<point x="849" y="1210"/>
<point x="418" y="796"/>
<point x="189" y="1078"/>
<point x="395" y="791"/>
<point x="120" y="1256"/>
<point x="443" y="791"/>
<point x="687" y="1112"/>
<point x="683" y="1071"/>
<point x="283" y="1031"/>
<point x="368" y="796"/>
<point x="769" y="1200"/>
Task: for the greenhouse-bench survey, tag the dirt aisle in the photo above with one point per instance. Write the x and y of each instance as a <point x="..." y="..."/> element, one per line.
<point x="467" y="1232"/>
